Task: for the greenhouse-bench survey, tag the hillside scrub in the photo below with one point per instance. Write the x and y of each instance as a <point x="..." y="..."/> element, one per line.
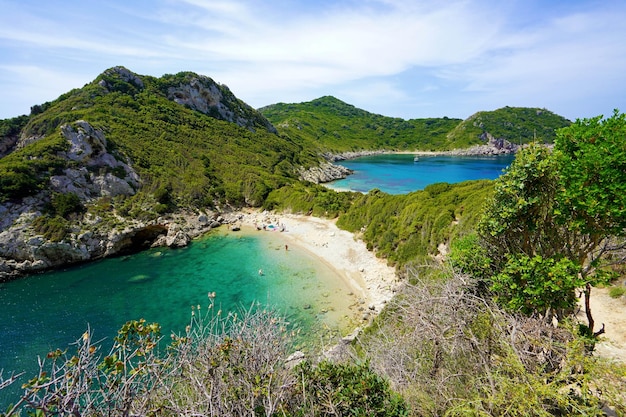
<point x="450" y="351"/>
<point x="222" y="365"/>
<point x="334" y="126"/>
<point x="199" y="157"/>
<point x="556" y="221"/>
<point x="409" y="228"/>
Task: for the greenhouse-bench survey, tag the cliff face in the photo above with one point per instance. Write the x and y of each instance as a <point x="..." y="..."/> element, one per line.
<point x="202" y="94"/>
<point x="91" y="173"/>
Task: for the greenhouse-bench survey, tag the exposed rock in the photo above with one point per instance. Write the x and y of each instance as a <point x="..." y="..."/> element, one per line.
<point x="295" y="359"/>
<point x="100" y="174"/>
<point x="326" y="172"/>
<point x="124" y="74"/>
<point x="202" y="94"/>
<point x="7" y="144"/>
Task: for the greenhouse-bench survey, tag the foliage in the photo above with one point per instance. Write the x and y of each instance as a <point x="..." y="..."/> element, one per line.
<point x="200" y="158"/>
<point x="64" y="204"/>
<point x="330" y="389"/>
<point x="518" y="125"/>
<point x="310" y="199"/>
<point x="12" y="127"/>
<point x="449" y="351"/>
<point x="53" y="228"/>
<point x="328" y="124"/>
<point x="536" y="285"/>
<point x="519" y="217"/>
<point x="409" y="228"/>
<point x="332" y="125"/>
<point x="222" y="365"/>
<point x="592" y="170"/>
<point x="25" y="172"/>
<point x="536" y="222"/>
<point x="468" y="256"/>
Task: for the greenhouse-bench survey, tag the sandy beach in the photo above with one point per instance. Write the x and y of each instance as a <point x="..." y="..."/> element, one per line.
<point x="368" y="276"/>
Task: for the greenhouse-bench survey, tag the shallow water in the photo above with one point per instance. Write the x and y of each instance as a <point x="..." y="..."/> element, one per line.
<point x="43" y="312"/>
<point x="400" y="174"/>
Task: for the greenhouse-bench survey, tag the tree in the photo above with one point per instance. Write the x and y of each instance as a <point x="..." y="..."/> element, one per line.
<point x="551" y="206"/>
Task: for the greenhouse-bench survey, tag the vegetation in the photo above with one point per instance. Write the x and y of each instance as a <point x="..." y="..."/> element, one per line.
<point x="519" y="125"/>
<point x="334" y="126"/>
<point x="409" y="228"/>
<point x="221" y="366"/>
<point x="200" y="158"/>
<point x="474" y="339"/>
<point x="554" y="218"/>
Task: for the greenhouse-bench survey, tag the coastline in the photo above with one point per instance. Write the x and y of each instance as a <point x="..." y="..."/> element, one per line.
<point x="369" y="277"/>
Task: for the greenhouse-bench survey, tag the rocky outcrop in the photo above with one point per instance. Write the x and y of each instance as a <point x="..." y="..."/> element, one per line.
<point x="91" y="173"/>
<point x="122" y="73"/>
<point x="493" y="146"/>
<point x="98" y="173"/>
<point x="325" y="172"/>
<point x="202" y="94"/>
<point x="23" y="251"/>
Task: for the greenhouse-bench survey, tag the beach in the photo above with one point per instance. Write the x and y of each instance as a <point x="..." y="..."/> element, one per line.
<point x="369" y="277"/>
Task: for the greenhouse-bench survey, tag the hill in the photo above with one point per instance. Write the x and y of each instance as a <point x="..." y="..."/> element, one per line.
<point x="335" y="126"/>
<point x="518" y="125"/>
<point x="111" y="167"/>
<point x="91" y="173"/>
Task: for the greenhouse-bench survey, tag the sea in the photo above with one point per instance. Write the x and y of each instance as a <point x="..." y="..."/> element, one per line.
<point x="51" y="310"/>
<point x="402" y="173"/>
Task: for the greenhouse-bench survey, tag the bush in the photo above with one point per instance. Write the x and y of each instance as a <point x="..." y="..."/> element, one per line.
<point x="330" y="389"/>
<point x="617" y="292"/>
<point x="222" y="365"/>
<point x="54" y="228"/>
<point x="65" y="204"/>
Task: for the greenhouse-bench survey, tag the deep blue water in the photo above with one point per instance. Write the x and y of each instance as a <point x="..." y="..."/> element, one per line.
<point x="399" y="174"/>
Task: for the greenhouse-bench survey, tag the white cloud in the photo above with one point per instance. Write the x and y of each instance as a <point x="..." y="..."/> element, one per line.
<point x="398" y="53"/>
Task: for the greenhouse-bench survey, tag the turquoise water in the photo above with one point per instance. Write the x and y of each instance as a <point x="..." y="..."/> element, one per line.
<point x="399" y="174"/>
<point x="43" y="312"/>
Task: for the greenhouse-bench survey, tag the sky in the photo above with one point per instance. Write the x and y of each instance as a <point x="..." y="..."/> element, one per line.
<point x="398" y="58"/>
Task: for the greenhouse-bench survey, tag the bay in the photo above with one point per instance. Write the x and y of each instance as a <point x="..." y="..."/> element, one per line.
<point x="400" y="174"/>
<point x="52" y="310"/>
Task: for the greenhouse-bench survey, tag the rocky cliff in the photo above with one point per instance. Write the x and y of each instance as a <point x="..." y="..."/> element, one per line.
<point x="92" y="174"/>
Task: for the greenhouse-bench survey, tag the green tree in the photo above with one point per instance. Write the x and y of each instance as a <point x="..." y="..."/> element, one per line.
<point x="552" y="206"/>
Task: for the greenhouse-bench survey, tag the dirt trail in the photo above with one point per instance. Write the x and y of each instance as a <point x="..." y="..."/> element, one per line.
<point x="611" y="312"/>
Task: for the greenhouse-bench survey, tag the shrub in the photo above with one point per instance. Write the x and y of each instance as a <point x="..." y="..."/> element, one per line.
<point x="330" y="389"/>
<point x="64" y="204"/>
<point x="617" y="292"/>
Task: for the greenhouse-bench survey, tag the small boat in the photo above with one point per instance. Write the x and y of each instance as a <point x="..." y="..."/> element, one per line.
<point x="416" y="158"/>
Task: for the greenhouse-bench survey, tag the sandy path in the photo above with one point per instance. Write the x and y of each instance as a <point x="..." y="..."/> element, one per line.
<point x="368" y="276"/>
<point x="611" y="312"/>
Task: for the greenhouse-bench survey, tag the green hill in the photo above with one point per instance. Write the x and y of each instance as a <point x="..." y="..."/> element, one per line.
<point x="518" y="125"/>
<point x="182" y="133"/>
<point x="335" y="126"/>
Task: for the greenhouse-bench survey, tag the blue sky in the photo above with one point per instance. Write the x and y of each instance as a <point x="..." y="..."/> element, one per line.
<point x="400" y="58"/>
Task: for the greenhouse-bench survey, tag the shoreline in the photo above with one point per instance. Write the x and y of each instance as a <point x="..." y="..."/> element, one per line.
<point x="368" y="276"/>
